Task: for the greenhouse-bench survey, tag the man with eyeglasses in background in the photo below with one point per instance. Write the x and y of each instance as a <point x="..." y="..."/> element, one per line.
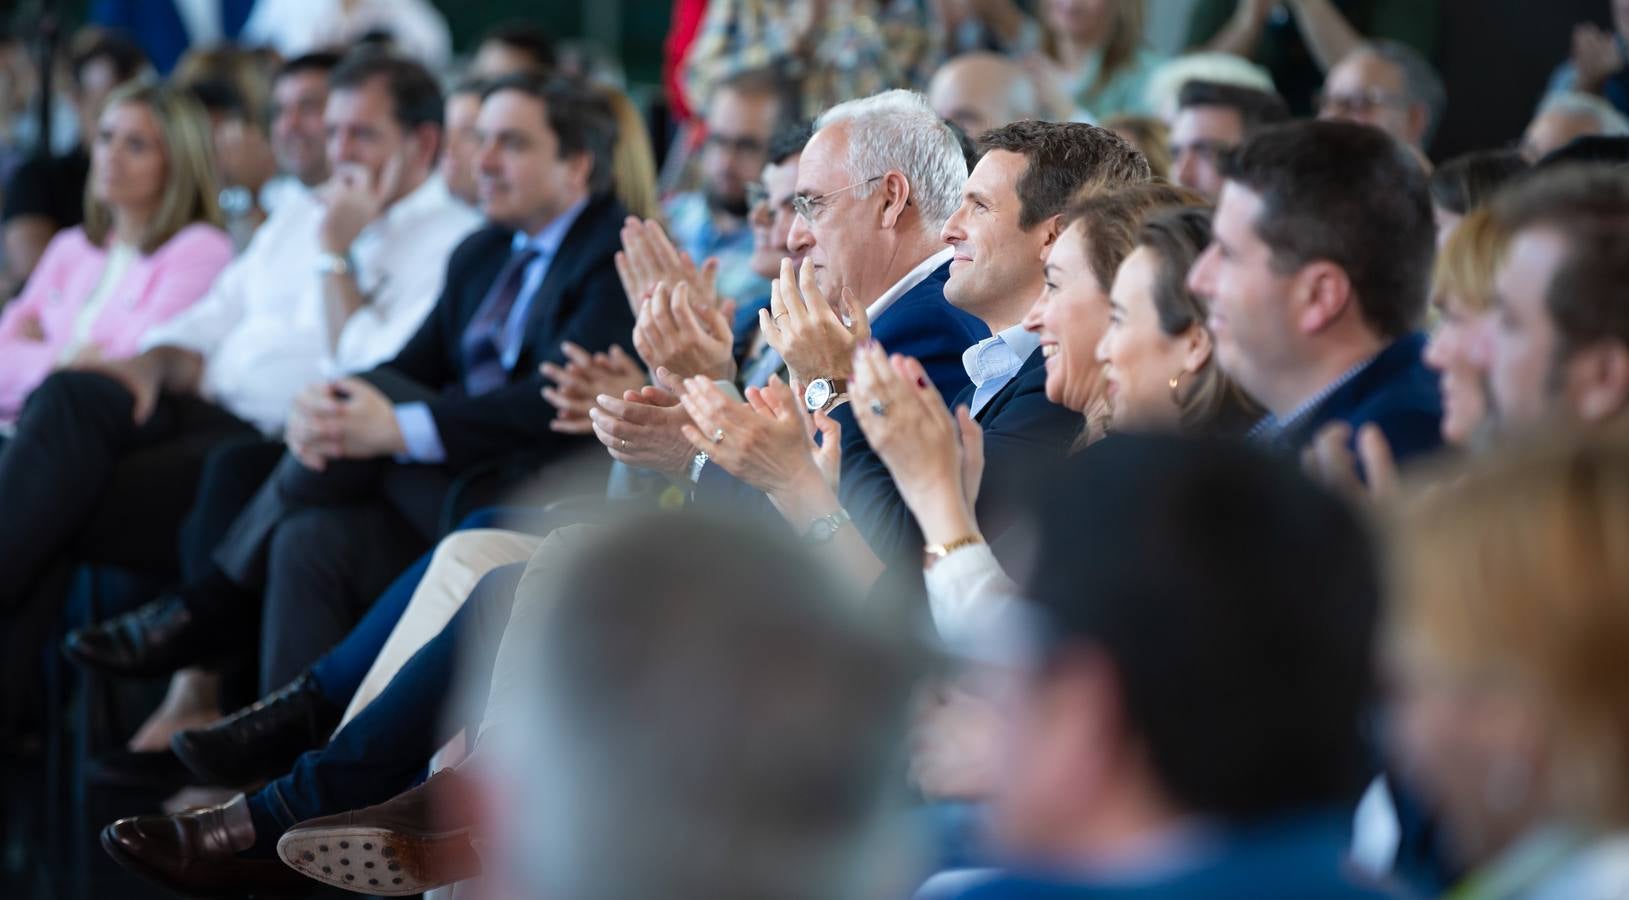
<point x="1212" y="119"/>
<point x="711" y="222"/>
<point x="1388" y="85"/>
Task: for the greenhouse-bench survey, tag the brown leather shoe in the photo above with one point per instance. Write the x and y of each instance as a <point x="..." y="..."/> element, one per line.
<point x="407" y="845"/>
<point x="196" y="852"/>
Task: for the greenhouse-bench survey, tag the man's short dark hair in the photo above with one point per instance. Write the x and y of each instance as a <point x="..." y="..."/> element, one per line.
<point x="789" y="141"/>
<point x="579" y="116"/>
<point x="1063" y="158"/>
<point x="765" y="82"/>
<point x="1256" y="108"/>
<point x="1235" y="600"/>
<point x="124" y="55"/>
<point x="529" y="40"/>
<point x="1466" y="182"/>
<point x="1349" y="194"/>
<point x="415" y="96"/>
<point x="1588" y="297"/>
<point x="320" y="61"/>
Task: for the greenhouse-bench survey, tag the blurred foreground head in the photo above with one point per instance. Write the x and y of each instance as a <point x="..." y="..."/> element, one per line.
<point x="1506" y="644"/>
<point x="716" y="717"/>
<point x="1203" y="653"/>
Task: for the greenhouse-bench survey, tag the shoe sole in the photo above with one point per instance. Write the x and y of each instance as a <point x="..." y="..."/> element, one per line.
<point x="134" y="864"/>
<point x="379" y="861"/>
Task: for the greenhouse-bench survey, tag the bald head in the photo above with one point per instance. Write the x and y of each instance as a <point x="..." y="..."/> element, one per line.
<point x="981" y="91"/>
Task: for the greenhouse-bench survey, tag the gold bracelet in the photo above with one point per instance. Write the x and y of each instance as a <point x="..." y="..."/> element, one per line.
<point x="940" y="551"/>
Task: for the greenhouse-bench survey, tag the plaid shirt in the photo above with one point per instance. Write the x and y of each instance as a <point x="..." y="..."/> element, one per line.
<point x="863" y="47"/>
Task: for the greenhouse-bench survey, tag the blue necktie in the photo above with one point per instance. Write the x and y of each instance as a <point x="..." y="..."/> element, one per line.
<point x="484" y="370"/>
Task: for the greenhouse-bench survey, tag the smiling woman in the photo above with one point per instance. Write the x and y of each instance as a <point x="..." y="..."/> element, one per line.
<point x="1072" y="314"/>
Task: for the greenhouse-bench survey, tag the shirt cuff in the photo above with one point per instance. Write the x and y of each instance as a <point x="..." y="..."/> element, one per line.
<point x="419" y="433"/>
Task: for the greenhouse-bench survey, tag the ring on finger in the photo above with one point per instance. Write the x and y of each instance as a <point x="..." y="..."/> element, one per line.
<point x="718" y="435"/>
<point x="879" y="408"/>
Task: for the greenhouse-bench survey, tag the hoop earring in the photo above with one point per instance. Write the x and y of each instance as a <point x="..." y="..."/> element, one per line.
<point x="1176" y="398"/>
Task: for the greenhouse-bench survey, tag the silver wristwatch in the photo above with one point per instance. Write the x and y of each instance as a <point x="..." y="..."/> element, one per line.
<point x="823" y="529"/>
<point x="823" y="393"/>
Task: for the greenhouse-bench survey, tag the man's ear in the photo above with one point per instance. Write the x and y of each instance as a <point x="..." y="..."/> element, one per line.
<point x="1598" y="380"/>
<point x="1321" y="292"/>
<point x="896" y="194"/>
<point x="1050" y="227"/>
<point x="429" y="144"/>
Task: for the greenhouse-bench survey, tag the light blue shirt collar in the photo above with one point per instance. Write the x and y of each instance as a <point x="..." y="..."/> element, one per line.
<point x="995" y="361"/>
<point x="548" y="239"/>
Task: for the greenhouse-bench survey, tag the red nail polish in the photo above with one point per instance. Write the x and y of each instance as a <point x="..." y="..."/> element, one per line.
<point x="921" y="382"/>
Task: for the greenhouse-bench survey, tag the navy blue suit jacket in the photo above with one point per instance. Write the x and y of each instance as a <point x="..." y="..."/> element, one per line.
<point x="921" y="324"/>
<point x="1395" y="391"/>
<point x="1021" y="427"/>
<point x="1300" y="858"/>
<point x="580" y="300"/>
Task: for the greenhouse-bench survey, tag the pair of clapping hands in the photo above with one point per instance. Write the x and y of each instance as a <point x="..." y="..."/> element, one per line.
<point x="683" y="334"/>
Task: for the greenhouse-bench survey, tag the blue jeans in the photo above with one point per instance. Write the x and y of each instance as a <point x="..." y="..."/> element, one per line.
<point x="382" y="751"/>
<point x="340" y="671"/>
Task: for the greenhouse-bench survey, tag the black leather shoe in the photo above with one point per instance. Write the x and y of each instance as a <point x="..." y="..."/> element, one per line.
<point x="155" y="639"/>
<point x="260" y="741"/>
<point x="197" y="853"/>
<point x="141" y="770"/>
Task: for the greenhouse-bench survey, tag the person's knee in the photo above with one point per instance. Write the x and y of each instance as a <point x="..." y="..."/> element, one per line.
<point x="81" y="393"/>
<point x="309" y="540"/>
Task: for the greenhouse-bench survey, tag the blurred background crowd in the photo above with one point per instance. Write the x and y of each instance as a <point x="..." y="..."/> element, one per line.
<point x="814" y="448"/>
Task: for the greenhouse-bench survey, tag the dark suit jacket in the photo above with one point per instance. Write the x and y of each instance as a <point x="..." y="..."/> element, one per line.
<point x="1396" y="391"/>
<point x="1297" y="858"/>
<point x="1021" y="428"/>
<point x="922" y="324"/>
<point x="580" y="300"/>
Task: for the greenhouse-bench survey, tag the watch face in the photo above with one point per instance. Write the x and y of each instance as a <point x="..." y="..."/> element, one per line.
<point x="817" y="394"/>
<point x="821" y="530"/>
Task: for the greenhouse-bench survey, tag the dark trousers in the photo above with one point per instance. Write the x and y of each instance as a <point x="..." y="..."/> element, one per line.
<point x="80" y="478"/>
<point x="320" y="546"/>
<point x="386" y="747"/>
<point x="81" y="481"/>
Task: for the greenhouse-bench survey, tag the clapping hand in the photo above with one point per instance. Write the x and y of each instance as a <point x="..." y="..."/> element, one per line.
<point x="648" y="258"/>
<point x="937" y="460"/>
<point x="584" y="377"/>
<point x="767" y="441"/>
<point x="1329" y="459"/>
<point x="641" y="428"/>
<point x="807" y="332"/>
<point x="685" y="337"/>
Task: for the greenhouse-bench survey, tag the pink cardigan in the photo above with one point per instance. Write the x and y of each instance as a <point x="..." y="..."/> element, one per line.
<point x="154" y="288"/>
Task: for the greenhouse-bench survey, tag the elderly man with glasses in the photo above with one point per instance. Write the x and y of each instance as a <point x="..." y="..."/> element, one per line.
<point x="1388" y="85"/>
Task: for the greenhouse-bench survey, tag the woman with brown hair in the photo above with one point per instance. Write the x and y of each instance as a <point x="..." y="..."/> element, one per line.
<point x="1505" y="648"/>
<point x="1159" y="359"/>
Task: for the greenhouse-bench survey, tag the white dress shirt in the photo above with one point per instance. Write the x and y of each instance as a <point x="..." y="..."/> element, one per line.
<point x="912" y="278"/>
<point x="297" y="27"/>
<point x="262" y="329"/>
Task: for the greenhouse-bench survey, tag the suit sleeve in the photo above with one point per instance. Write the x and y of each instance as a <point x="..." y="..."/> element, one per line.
<point x="516" y="417"/>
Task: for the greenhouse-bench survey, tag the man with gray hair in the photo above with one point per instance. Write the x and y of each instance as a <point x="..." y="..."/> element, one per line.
<point x="982" y="90"/>
<point x="1565" y="117"/>
<point x="875" y="185"/>
<point x="701" y="743"/>
<point x="1388" y="85"/>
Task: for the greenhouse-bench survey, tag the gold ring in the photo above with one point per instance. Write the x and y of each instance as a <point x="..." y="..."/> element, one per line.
<point x="718" y="435"/>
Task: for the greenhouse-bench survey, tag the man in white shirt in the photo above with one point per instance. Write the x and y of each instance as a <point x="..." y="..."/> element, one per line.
<point x="107" y="459"/>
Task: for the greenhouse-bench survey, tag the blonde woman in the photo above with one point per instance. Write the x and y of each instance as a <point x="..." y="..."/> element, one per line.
<point x="1505" y="647"/>
<point x="150" y="246"/>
